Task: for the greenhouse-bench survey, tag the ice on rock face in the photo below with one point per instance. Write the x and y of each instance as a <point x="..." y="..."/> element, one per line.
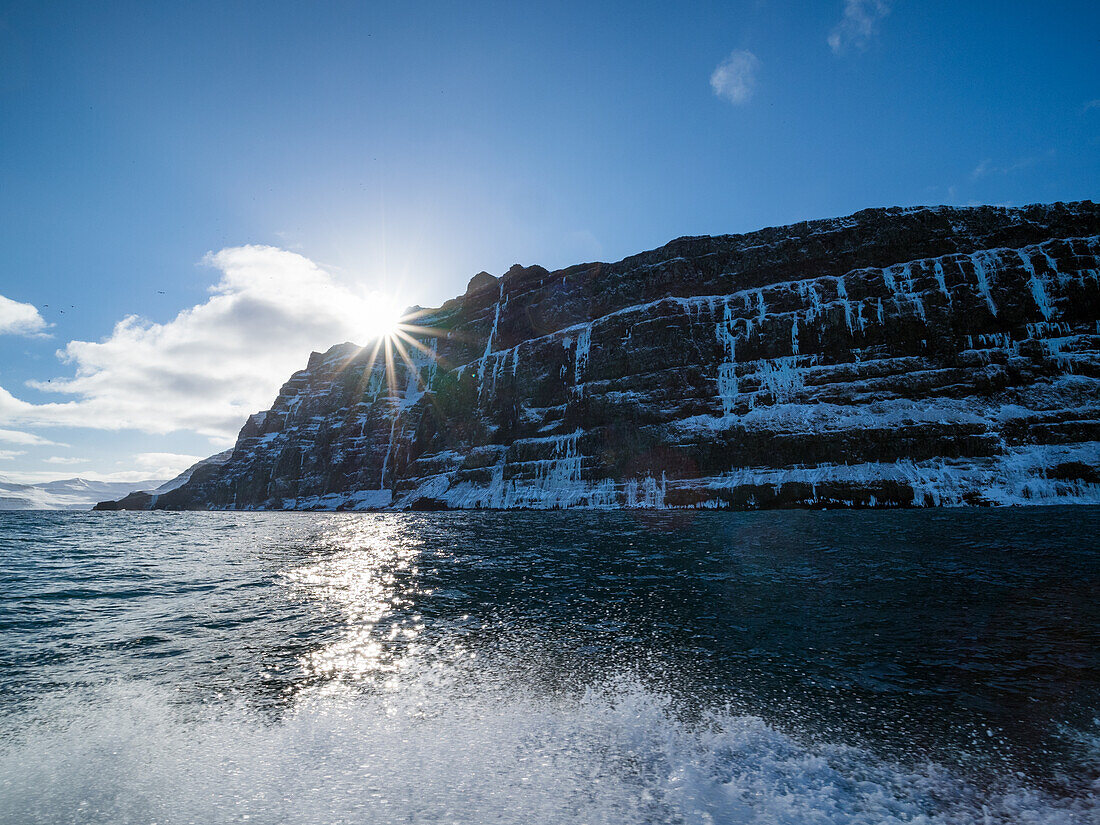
<point x="916" y="394"/>
<point x="556" y="482"/>
<point x="905" y="276"/>
<point x="649" y="494"/>
<point x="377" y="380"/>
<point x="1061" y="277"/>
<point x="389" y="452"/>
<point x="981" y="262"/>
<point x="1019" y="477"/>
<point x="842" y="297"/>
<point x="941" y="282"/>
<point x="1044" y="329"/>
<point x="420" y="365"/>
<point x="861" y="322"/>
<point x="584" y="342"/>
<point x="1055" y="349"/>
<point x="560" y="476"/>
<point x="899" y="279"/>
<point x="419" y="373"/>
<point x="782" y="378"/>
<point x="1038" y="288"/>
<point x="727" y="370"/>
<point x="492" y="335"/>
<point x="918" y="307"/>
<point x="807" y="290"/>
<point x="433" y="361"/>
<point x="888" y="278"/>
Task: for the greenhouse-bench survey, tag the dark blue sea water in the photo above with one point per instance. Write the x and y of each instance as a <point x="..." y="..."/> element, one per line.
<point x="780" y="667"/>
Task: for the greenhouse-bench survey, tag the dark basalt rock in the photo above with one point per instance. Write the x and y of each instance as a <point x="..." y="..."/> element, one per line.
<point x="896" y="357"/>
<point x="479" y="283"/>
<point x="134" y="501"/>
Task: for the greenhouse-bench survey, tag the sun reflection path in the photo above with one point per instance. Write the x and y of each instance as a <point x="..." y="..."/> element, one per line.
<point x="366" y="567"/>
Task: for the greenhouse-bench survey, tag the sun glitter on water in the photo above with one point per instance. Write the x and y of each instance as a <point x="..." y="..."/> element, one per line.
<point x="367" y="570"/>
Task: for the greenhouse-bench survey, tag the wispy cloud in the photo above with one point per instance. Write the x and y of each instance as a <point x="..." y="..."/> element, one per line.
<point x="212" y="365"/>
<point x="163" y="465"/>
<point x="29" y="439"/>
<point x="20" y="319"/>
<point x="8" y="455"/>
<point x="735" y="78"/>
<point x="858" y="25"/>
<point x="1091" y="104"/>
<point x="57" y="459"/>
<point x="988" y="168"/>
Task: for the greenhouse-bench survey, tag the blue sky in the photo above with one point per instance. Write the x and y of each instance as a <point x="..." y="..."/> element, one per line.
<point x="298" y="157"/>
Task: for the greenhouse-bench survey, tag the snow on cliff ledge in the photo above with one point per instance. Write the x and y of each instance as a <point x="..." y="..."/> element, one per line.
<point x="895" y="357"/>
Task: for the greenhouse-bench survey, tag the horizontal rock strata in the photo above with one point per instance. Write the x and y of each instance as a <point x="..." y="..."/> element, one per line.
<point x="895" y="357"/>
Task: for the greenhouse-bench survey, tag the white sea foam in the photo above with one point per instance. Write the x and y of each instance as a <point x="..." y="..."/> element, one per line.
<point x="439" y="746"/>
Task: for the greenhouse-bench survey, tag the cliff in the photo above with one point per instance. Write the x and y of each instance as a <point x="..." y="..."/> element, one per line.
<point x="146" y="497"/>
<point x="894" y="357"/>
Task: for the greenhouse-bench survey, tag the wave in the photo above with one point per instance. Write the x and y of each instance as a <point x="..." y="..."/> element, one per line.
<point x="438" y="744"/>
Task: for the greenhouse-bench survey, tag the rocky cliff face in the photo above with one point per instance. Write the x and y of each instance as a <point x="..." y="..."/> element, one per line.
<point x="894" y="357"/>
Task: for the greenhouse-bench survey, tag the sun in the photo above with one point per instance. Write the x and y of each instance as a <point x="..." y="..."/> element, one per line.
<point x="382" y="317"/>
<point x="397" y="342"/>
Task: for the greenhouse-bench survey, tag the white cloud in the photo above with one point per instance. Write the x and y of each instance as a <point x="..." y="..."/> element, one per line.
<point x="30" y="439"/>
<point x="735" y="77"/>
<point x="57" y="459"/>
<point x="212" y="365"/>
<point x="987" y="168"/>
<point x="857" y="26"/>
<point x="163" y="465"/>
<point x="20" y="319"/>
<point x="8" y="455"/>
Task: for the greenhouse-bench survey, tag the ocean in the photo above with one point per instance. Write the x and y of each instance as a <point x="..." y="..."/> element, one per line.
<point x="924" y="666"/>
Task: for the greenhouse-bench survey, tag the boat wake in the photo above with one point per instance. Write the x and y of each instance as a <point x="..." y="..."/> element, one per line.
<point x="440" y="744"/>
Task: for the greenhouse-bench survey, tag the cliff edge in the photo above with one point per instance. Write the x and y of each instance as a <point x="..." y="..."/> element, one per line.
<point x="895" y="357"/>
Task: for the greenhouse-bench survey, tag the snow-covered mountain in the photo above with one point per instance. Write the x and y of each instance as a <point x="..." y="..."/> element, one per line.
<point x="83" y="493"/>
<point x="145" y="497"/>
<point x="894" y="357"/>
<point x="67" y="494"/>
<point x="185" y="476"/>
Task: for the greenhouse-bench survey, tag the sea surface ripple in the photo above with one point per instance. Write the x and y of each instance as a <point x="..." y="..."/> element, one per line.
<point x="924" y="666"/>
